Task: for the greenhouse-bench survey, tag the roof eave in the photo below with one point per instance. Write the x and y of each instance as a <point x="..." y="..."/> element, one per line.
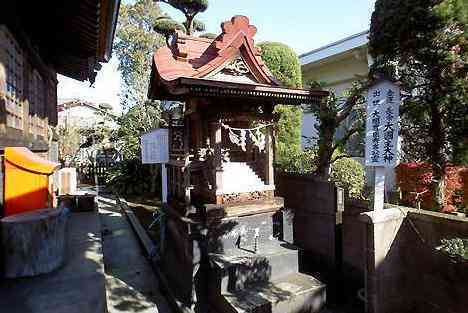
<point x="349" y="43"/>
<point x="186" y="87"/>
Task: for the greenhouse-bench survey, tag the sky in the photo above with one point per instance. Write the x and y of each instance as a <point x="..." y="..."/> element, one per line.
<point x="304" y="25"/>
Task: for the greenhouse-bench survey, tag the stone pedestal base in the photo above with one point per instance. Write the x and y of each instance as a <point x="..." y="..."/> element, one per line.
<point x="33" y="242"/>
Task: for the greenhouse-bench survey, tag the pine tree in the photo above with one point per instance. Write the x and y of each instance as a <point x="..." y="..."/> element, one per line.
<point x="166" y="25"/>
<point x="423" y="45"/>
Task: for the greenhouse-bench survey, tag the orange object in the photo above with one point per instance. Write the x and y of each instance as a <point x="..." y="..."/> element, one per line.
<point x="26" y="180"/>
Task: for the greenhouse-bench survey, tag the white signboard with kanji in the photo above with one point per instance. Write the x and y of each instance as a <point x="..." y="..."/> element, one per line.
<point x="383" y="102"/>
<point x="155" y="146"/>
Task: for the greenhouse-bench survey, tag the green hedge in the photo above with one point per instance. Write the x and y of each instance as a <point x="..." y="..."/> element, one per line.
<point x="346" y="172"/>
<point x="284" y="64"/>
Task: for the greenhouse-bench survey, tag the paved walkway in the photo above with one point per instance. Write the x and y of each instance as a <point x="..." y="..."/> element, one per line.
<point x="104" y="271"/>
<point x="130" y="281"/>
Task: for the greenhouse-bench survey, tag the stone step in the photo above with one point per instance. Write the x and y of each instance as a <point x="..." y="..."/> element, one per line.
<point x="295" y="293"/>
<point x="231" y="231"/>
<point x="236" y="269"/>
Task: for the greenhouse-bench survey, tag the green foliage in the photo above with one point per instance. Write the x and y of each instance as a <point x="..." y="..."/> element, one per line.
<point x="136" y="121"/>
<point x="198" y="25"/>
<point x="348" y="174"/>
<point x="288" y="132"/>
<point x="423" y="45"/>
<point x="345" y="172"/>
<point x="131" y="177"/>
<point x="460" y="153"/>
<point x="284" y="64"/>
<point x="167" y="26"/>
<point x="332" y="114"/>
<point x="301" y="162"/>
<point x="454" y="11"/>
<point x="190" y="8"/>
<point x="134" y="46"/>
<point x="456" y="248"/>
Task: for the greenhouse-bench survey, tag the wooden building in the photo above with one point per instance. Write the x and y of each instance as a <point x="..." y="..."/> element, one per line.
<point x="39" y="40"/>
<point x="228" y="236"/>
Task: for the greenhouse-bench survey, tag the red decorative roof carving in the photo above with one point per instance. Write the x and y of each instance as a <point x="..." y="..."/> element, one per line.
<point x="195" y="57"/>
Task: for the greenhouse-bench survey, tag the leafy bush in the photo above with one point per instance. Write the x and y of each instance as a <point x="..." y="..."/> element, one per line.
<point x="346" y="172"/>
<point x="131" y="177"/>
<point x="456" y="248"/>
<point x="302" y="162"/>
<point x="288" y="132"/>
<point x="415" y="179"/>
<point x="284" y="64"/>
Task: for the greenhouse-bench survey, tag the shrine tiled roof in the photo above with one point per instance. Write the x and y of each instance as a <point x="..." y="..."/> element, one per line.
<point x="198" y="57"/>
<point x="230" y="61"/>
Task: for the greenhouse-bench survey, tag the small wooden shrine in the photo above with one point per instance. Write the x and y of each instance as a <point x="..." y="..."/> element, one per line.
<point x="221" y="148"/>
<point x="220" y="173"/>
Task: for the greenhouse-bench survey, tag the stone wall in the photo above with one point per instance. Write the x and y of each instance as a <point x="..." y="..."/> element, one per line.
<point x="404" y="271"/>
<point x="353" y="245"/>
<point x="317" y="225"/>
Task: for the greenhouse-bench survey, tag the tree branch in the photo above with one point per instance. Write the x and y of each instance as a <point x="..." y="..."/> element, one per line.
<point x="341" y="156"/>
<point x="351" y="102"/>
<point x="346" y="137"/>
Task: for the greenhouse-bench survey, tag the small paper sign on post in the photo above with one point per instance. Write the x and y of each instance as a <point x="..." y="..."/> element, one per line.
<point x="155" y="149"/>
<point x="383" y="103"/>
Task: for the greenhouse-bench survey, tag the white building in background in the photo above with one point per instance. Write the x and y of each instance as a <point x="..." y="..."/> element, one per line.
<point x="86" y="115"/>
<point x="83" y="114"/>
<point x="338" y="65"/>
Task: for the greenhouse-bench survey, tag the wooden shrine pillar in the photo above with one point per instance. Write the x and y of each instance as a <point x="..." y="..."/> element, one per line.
<point x="269" y="171"/>
<point x="216" y="141"/>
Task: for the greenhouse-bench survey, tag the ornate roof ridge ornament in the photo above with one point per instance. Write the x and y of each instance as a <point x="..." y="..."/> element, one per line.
<point x="237" y="28"/>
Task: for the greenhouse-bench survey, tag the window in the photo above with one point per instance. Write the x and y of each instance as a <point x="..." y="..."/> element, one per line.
<point x="14" y="66"/>
<point x="37" y="112"/>
<point x="52" y="103"/>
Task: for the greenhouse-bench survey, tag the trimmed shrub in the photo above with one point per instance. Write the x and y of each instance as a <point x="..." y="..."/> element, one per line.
<point x="348" y="174"/>
<point x="302" y="162"/>
<point x="284" y="64"/>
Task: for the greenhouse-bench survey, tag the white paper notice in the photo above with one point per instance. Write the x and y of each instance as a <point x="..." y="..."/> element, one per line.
<point x="155" y="146"/>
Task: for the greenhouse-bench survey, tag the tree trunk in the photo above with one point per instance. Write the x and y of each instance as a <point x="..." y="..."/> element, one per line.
<point x="325" y="151"/>
<point x="438" y="156"/>
<point x="189" y="24"/>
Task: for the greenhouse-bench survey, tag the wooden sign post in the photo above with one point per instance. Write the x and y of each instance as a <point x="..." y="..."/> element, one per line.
<point x="383" y="103"/>
<point x="155" y="149"/>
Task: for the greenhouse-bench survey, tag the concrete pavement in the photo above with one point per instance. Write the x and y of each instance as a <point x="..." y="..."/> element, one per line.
<point x="77" y="287"/>
<point x="131" y="284"/>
